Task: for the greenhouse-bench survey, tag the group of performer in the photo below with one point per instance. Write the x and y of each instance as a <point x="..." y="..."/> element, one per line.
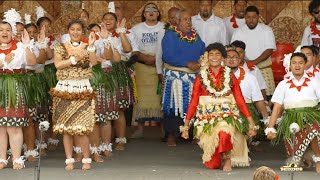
<point x="200" y="76"/>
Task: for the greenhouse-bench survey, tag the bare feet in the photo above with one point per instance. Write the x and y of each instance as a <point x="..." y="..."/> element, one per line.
<point x="86" y="166"/>
<point x="69" y="164"/>
<point x="18" y="163"/>
<point x="31" y="159"/>
<point x="2" y="165"/>
<point x="227" y="165"/>
<point x="120" y="147"/>
<point x="171" y="142"/>
<point x="86" y="163"/>
<point x="97" y="158"/>
<point x="318" y="167"/>
<point x="78" y="157"/>
<point x="52" y="147"/>
<point x="108" y="153"/>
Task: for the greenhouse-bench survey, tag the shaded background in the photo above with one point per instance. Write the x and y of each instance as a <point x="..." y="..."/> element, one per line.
<point x="287" y="18"/>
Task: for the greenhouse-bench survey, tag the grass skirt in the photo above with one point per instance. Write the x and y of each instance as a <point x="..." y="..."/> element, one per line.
<point x="308" y="120"/>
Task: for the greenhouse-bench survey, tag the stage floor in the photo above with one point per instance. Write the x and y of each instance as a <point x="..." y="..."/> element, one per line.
<point x="149" y="158"/>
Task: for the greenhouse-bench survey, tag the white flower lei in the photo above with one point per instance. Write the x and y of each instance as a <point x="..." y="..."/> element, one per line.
<point x="226" y="82"/>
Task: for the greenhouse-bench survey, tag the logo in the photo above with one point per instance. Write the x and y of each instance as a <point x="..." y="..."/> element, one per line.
<point x="292" y="167"/>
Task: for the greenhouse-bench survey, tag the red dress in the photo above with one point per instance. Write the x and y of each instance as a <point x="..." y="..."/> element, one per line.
<point x="225" y="143"/>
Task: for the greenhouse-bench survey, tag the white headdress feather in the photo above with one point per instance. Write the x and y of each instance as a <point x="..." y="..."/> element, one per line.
<point x="27" y="18"/>
<point x="40" y="12"/>
<point x="82" y="5"/>
<point x="111" y="7"/>
<point x="12" y="17"/>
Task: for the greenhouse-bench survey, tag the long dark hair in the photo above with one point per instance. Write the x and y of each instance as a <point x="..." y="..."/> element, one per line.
<point x="40" y="20"/>
<point x="110" y="13"/>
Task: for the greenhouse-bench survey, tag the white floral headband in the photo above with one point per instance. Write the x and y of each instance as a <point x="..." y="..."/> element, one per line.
<point x="12" y="17"/>
<point x="287" y="58"/>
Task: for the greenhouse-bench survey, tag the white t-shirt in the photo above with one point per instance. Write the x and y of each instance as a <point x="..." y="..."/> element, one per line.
<point x="257" y="74"/>
<point x="286" y="95"/>
<point x="249" y="86"/>
<point x="210" y="31"/>
<point x="257" y="40"/>
<point x="19" y="61"/>
<point x="229" y="26"/>
<point x="148" y="36"/>
<point x="310" y="39"/>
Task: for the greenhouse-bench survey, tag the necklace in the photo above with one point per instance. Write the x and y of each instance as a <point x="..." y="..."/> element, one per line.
<point x="242" y="74"/>
<point x="75" y="44"/>
<point x="184" y="36"/>
<point x="314" y="29"/>
<point x="304" y="84"/>
<point x="210" y="85"/>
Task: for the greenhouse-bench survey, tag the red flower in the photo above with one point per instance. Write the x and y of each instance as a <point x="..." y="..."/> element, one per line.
<point x="13" y="47"/>
<point x="314" y="29"/>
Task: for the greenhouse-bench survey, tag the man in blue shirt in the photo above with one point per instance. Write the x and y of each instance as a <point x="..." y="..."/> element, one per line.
<point x="182" y="48"/>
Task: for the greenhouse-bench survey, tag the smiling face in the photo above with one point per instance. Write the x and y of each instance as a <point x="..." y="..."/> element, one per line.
<point x="20" y="29"/>
<point x="5" y="33"/>
<point x="215" y="58"/>
<point x="84" y="16"/>
<point x="232" y="60"/>
<point x="110" y="22"/>
<point x="151" y="12"/>
<point x="33" y="32"/>
<point x="297" y="66"/>
<point x="75" y="32"/>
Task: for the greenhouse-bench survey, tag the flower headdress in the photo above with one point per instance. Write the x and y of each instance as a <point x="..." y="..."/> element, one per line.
<point x="287" y="57"/>
<point x="12" y="17"/>
<point x="27" y="18"/>
<point x="40" y="12"/>
<point x="111" y="7"/>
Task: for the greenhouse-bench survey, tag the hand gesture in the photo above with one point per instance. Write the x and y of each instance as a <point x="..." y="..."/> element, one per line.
<point x="122" y="24"/>
<point x="185" y="135"/>
<point x="104" y="33"/>
<point x="271" y="136"/>
<point x="9" y="58"/>
<point x="25" y="37"/>
<point x="194" y="66"/>
<point x="58" y="37"/>
<point x="80" y="55"/>
<point x="92" y="38"/>
<point x="42" y="34"/>
<point x="252" y="133"/>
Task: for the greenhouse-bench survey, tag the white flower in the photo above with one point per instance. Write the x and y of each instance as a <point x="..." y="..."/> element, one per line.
<point x="196" y="123"/>
<point x="294" y="128"/>
<point x="205" y="121"/>
<point x="44" y="126"/>
<point x="201" y="123"/>
<point x="211" y="121"/>
<point x="225" y="115"/>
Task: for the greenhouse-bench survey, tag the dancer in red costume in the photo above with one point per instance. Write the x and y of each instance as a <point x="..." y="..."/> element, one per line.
<point x="215" y="100"/>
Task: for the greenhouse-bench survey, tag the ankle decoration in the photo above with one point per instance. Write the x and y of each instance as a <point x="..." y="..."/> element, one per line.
<point x="43" y="146"/>
<point x="86" y="161"/>
<point x="121" y="140"/>
<point x="53" y="141"/>
<point x="94" y="150"/>
<point x="77" y="149"/>
<point x="106" y="147"/>
<point x="3" y="161"/>
<point x="33" y="153"/>
<point x="69" y="161"/>
<point x="316" y="159"/>
<point x="19" y="161"/>
<point x="24" y="147"/>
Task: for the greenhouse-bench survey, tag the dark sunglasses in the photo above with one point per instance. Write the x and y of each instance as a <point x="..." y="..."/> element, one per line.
<point x="315" y="11"/>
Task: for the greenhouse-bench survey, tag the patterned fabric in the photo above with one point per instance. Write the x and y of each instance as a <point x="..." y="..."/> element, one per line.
<point x="14" y="121"/>
<point x="268" y="77"/>
<point x="177" y="91"/>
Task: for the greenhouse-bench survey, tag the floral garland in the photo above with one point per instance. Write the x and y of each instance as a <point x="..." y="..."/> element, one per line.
<point x="209" y="83"/>
<point x="184" y="36"/>
<point x="115" y="34"/>
<point x="314" y="29"/>
<point x="304" y="84"/>
<point x="242" y="74"/>
<point x="12" y="48"/>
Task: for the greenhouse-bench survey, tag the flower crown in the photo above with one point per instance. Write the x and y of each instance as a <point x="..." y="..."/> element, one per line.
<point x="12" y="17"/>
